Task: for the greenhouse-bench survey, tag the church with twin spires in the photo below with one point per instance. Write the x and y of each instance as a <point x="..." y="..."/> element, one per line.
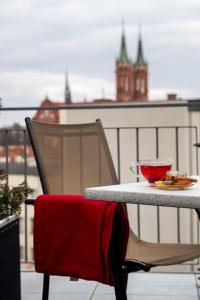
<point x="131" y="84"/>
<point x="131" y="78"/>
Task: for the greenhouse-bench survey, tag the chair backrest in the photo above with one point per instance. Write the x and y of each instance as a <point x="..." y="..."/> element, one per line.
<point x="71" y="158"/>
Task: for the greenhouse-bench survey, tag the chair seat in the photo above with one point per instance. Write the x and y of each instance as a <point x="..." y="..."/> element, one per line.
<point x="160" y="254"/>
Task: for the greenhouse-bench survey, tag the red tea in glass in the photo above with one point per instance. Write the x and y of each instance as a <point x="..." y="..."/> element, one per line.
<point x="154" y="173"/>
<point x="153" y="169"/>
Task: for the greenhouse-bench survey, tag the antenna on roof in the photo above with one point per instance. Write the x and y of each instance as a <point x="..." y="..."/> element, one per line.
<point x="67" y="93"/>
<point x="85" y="99"/>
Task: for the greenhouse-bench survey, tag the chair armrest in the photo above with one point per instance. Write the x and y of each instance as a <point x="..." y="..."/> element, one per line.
<point x="197" y="145"/>
<point x="133" y="265"/>
<point x="29" y="201"/>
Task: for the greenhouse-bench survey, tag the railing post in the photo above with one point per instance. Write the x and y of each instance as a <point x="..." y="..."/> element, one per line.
<point x="118" y="155"/>
<point x="25" y="208"/>
<point x="177" y="167"/>
<point x="157" y="207"/>
<point x="6" y="152"/>
<point x="137" y="159"/>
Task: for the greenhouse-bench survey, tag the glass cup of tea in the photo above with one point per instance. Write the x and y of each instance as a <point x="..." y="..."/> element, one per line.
<point x="152" y="169"/>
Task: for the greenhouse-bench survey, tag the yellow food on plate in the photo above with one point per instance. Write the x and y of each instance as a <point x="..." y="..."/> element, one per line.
<point x="159" y="184"/>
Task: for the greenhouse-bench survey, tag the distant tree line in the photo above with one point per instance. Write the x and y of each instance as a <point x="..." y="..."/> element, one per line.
<point x="13" y="135"/>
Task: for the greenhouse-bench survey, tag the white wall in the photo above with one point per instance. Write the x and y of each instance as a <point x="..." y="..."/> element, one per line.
<point x="144" y="116"/>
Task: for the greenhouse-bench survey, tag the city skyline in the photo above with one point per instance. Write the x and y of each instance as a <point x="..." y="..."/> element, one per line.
<point x="40" y="41"/>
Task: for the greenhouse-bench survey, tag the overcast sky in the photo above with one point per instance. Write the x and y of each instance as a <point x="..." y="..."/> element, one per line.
<point x="41" y="39"/>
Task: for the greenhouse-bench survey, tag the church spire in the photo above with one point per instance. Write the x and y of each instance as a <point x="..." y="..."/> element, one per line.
<point x="67" y="91"/>
<point x="140" y="58"/>
<point x="123" y="57"/>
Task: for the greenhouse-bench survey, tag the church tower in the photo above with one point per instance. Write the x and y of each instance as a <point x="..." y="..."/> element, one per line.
<point x="67" y="91"/>
<point x="140" y="75"/>
<point x="124" y="74"/>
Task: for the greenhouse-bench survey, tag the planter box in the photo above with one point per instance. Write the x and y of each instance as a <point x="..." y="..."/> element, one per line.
<point x="10" y="288"/>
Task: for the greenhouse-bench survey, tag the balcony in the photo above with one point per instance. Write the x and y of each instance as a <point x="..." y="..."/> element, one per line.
<point x="127" y="144"/>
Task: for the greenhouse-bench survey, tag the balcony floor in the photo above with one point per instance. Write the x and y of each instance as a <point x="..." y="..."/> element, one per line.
<point x="141" y="286"/>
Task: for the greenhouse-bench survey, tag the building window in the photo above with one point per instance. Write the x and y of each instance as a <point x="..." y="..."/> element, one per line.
<point x="121" y="81"/>
<point x="138" y="85"/>
<point x="142" y="86"/>
<point x="51" y="115"/>
<point x="126" y="85"/>
<point x="46" y="113"/>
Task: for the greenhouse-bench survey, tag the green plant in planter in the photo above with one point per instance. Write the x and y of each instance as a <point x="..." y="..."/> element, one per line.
<point x="11" y="198"/>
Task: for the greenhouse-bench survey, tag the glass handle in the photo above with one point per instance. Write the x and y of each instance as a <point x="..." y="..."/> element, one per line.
<point x="132" y="169"/>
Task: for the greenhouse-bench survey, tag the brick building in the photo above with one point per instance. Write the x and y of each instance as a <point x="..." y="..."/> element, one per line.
<point x="48" y="116"/>
<point x="52" y="116"/>
<point x="131" y="78"/>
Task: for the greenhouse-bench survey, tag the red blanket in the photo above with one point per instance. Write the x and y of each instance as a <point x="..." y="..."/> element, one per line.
<point x="72" y="236"/>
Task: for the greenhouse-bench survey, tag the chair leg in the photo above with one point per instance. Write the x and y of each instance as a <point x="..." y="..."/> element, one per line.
<point x="126" y="280"/>
<point x="121" y="279"/>
<point x="120" y="287"/>
<point x="45" y="292"/>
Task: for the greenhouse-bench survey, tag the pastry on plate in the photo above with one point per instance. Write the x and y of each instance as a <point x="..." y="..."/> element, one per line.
<point x="180" y="180"/>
